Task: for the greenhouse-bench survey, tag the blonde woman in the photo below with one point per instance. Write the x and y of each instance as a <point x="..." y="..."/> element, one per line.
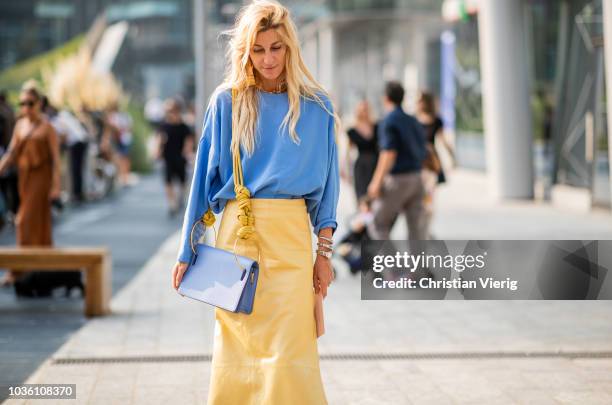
<point x="362" y="135"/>
<point x="285" y="127"/>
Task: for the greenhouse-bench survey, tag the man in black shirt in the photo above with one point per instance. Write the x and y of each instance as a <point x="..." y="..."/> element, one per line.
<point x="397" y="185"/>
<point x="175" y="140"/>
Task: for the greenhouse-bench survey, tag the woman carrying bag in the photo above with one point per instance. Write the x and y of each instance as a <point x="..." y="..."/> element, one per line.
<point x="273" y="115"/>
<point x="35" y="150"/>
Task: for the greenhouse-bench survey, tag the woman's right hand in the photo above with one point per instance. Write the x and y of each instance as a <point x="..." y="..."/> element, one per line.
<point x="177" y="274"/>
<point x="344" y="174"/>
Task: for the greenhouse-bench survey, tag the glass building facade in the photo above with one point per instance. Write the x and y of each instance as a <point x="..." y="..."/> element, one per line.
<point x="158" y="43"/>
<point x="566" y="73"/>
<point x="353" y="47"/>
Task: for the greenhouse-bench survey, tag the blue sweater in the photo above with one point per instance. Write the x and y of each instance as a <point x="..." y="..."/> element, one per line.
<point x="278" y="168"/>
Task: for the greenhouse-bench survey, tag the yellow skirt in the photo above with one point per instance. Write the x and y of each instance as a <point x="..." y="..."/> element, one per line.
<point x="270" y="356"/>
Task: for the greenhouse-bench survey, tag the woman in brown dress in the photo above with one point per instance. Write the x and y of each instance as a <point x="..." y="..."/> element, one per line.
<point x="34" y="148"/>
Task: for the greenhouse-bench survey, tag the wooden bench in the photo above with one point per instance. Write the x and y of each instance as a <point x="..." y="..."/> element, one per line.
<point x="94" y="261"/>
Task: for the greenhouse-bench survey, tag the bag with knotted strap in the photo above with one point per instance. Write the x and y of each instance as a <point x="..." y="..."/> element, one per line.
<point x="216" y="276"/>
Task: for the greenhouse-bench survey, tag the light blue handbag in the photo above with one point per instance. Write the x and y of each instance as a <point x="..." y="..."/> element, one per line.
<point x="219" y="277"/>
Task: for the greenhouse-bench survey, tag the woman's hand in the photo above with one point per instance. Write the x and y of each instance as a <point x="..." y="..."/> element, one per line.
<point x="374" y="189"/>
<point x="323" y="274"/>
<point x="345" y="174"/>
<point x="3" y="163"/>
<point x="55" y="193"/>
<point x="177" y="274"/>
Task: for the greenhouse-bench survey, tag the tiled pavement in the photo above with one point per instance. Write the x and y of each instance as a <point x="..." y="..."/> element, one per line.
<point x="131" y="223"/>
<point x="435" y="338"/>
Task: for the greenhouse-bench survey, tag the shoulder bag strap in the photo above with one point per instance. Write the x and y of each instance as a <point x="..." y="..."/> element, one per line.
<point x="245" y="213"/>
<point x="23" y="141"/>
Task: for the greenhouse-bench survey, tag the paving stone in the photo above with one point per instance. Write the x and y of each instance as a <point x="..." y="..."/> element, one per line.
<point x="160" y="322"/>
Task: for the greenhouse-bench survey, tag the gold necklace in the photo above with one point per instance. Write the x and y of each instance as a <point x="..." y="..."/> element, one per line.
<point x="281" y="87"/>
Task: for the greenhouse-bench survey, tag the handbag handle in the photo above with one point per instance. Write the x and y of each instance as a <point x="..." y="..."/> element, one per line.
<point x="245" y="212"/>
<point x="205" y="229"/>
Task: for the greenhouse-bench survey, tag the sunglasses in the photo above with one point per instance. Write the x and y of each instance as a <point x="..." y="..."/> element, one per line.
<point x="28" y="103"/>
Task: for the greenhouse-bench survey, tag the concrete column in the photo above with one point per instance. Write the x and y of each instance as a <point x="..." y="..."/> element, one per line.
<point x="505" y="98"/>
<point x="607" y="22"/>
<point x="199" y="50"/>
<point x="327" y="53"/>
<point x="310" y="54"/>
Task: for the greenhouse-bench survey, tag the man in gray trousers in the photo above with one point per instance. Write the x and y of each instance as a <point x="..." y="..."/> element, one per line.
<point x="396" y="186"/>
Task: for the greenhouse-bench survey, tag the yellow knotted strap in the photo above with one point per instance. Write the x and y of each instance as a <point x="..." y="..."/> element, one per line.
<point x="243" y="196"/>
<point x="208" y="218"/>
<point x="245" y="213"/>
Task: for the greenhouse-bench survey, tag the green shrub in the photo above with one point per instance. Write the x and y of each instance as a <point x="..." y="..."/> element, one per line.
<point x="32" y="68"/>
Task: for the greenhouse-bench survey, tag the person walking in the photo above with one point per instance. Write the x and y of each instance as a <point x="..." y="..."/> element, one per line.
<point x="284" y="126"/>
<point x="397" y="186"/>
<point x="76" y="138"/>
<point x="175" y="145"/>
<point x="8" y="181"/>
<point x="34" y="148"/>
<point x="120" y="126"/>
<point x="7" y="121"/>
<point x="432" y="172"/>
<point x="362" y="135"/>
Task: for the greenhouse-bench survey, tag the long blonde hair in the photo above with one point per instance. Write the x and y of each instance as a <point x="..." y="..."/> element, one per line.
<point x="258" y="16"/>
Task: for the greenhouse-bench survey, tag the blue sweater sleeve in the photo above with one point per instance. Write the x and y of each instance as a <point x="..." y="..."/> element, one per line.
<point x="204" y="170"/>
<point x="323" y="212"/>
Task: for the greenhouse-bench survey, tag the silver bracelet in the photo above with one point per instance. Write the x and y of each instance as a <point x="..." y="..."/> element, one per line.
<point x="325" y="245"/>
<point x="326" y="239"/>
<point x="324" y="254"/>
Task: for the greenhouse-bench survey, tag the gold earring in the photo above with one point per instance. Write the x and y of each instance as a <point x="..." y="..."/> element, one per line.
<point x="250" y="74"/>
